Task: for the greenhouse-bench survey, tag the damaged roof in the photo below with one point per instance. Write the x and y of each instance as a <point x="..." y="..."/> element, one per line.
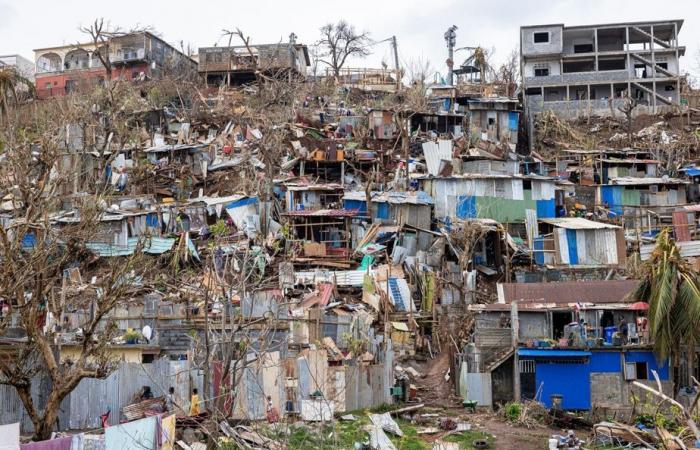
<point x="396" y="198"/>
<point x="565" y="292"/>
<point x="578" y="223"/>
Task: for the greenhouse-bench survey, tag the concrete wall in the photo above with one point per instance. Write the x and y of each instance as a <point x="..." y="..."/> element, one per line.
<point x="551" y="63"/>
<point x="528" y="46"/>
<point x="533" y="326"/>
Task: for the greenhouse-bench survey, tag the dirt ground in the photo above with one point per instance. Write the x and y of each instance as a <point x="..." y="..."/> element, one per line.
<point x="436" y="392"/>
<point x="511" y="437"/>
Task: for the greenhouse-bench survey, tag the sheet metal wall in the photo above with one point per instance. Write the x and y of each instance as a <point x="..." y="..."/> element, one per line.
<point x="93" y="397"/>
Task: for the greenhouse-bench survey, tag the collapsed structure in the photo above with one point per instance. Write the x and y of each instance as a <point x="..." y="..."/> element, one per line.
<point x="300" y="258"/>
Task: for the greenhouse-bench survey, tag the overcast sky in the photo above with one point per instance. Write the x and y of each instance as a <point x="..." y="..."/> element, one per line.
<point x="418" y="24"/>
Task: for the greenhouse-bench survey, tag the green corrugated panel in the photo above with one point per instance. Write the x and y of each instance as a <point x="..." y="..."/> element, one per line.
<point x="631" y="197"/>
<point x="502" y="209"/>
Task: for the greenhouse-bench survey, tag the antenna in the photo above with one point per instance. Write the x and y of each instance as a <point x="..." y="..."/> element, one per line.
<point x="451" y="40"/>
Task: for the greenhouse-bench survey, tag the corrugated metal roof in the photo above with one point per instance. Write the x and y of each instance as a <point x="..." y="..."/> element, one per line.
<point x="153" y="245"/>
<point x="637" y="181"/>
<point x="565" y="292"/>
<point x="577" y="223"/>
<point x="397" y="198"/>
<point x="167" y="148"/>
<point x="339" y="277"/>
<point x="553" y="353"/>
<point x="435" y="152"/>
<point x="323" y="213"/>
<point x="687" y="249"/>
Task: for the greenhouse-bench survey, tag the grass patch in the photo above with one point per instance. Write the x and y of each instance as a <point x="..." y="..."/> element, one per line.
<point x="343" y="435"/>
<point x="466" y="438"/>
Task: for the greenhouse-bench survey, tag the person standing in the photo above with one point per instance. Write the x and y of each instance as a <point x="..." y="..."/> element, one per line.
<point x="194" y="403"/>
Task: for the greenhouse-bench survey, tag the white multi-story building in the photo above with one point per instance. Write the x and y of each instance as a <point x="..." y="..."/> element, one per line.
<point x="24" y="66"/>
<point x="589" y="69"/>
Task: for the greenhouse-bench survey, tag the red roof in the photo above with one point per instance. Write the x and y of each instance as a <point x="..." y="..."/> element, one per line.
<point x="593" y="291"/>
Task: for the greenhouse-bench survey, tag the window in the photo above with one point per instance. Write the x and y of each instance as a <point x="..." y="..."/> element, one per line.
<point x="542" y="71"/>
<point x="47" y="85"/>
<point x="583" y="48"/>
<point x="147" y="358"/>
<point x="636" y="371"/>
<point x="541" y="37"/>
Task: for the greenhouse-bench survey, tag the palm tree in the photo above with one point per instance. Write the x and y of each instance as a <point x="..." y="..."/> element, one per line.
<point x="672" y="289"/>
<point x="10" y="83"/>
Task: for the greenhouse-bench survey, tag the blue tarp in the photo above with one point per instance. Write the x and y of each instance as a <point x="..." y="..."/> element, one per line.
<point x="552" y="353"/>
<point x="242" y="202"/>
<point x="691" y="171"/>
<point x="466" y="207"/>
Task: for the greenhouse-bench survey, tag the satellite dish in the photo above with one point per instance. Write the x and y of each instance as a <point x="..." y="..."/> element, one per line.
<point x="147" y="332"/>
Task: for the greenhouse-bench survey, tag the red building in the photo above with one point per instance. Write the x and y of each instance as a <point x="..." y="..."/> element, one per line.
<point x="134" y="56"/>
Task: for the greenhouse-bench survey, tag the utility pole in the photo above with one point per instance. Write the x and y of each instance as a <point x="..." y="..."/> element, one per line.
<point x="395" y="49"/>
<point x="451" y="40"/>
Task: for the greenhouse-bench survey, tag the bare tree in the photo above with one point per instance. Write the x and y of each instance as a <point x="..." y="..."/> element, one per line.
<point x="339" y="42"/>
<point x="419" y="71"/>
<point x="508" y="74"/>
<point x="627" y="108"/>
<point x="38" y="300"/>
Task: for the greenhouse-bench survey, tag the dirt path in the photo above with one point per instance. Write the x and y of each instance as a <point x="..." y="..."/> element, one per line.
<point x="511" y="437"/>
<point x="433" y="389"/>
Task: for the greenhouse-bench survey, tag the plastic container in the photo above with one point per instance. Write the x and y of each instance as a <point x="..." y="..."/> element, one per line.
<point x="609" y="331"/>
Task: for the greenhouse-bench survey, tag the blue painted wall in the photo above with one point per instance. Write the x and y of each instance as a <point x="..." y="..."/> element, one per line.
<point x="539" y="255"/>
<point x="612" y="195"/>
<point x="546" y="209"/>
<point x="572" y="381"/>
<point x="605" y="362"/>
<point x="652" y="364"/>
<point x="573" y="248"/>
<point x="355" y="204"/>
<point x="382" y="211"/>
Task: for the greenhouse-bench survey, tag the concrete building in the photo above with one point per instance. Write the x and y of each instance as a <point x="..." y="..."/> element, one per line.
<point x="589" y="69"/>
<point x="62" y="69"/>
<point x="237" y="65"/>
<point x="24" y="66"/>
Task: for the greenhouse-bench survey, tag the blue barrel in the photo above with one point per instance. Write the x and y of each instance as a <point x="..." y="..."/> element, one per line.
<point x="609" y="331"/>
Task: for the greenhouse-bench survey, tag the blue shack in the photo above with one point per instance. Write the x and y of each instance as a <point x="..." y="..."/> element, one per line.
<point x="581" y="376"/>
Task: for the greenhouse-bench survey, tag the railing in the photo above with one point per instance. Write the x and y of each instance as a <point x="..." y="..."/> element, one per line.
<point x="364" y="76"/>
<point x="132" y="55"/>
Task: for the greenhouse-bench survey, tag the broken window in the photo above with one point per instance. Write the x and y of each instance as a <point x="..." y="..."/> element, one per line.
<point x="583" y="48"/>
<point x="541" y="37"/>
<point x="586" y="65"/>
<point x="611" y="64"/>
<point x="636" y="371"/>
<point x="533" y="91"/>
<point x="541" y="70"/>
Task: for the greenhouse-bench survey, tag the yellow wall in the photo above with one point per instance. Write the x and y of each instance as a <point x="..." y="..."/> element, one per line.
<point x="127" y="354"/>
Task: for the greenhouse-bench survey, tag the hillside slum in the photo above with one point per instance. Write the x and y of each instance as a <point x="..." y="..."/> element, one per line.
<point x="247" y="263"/>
